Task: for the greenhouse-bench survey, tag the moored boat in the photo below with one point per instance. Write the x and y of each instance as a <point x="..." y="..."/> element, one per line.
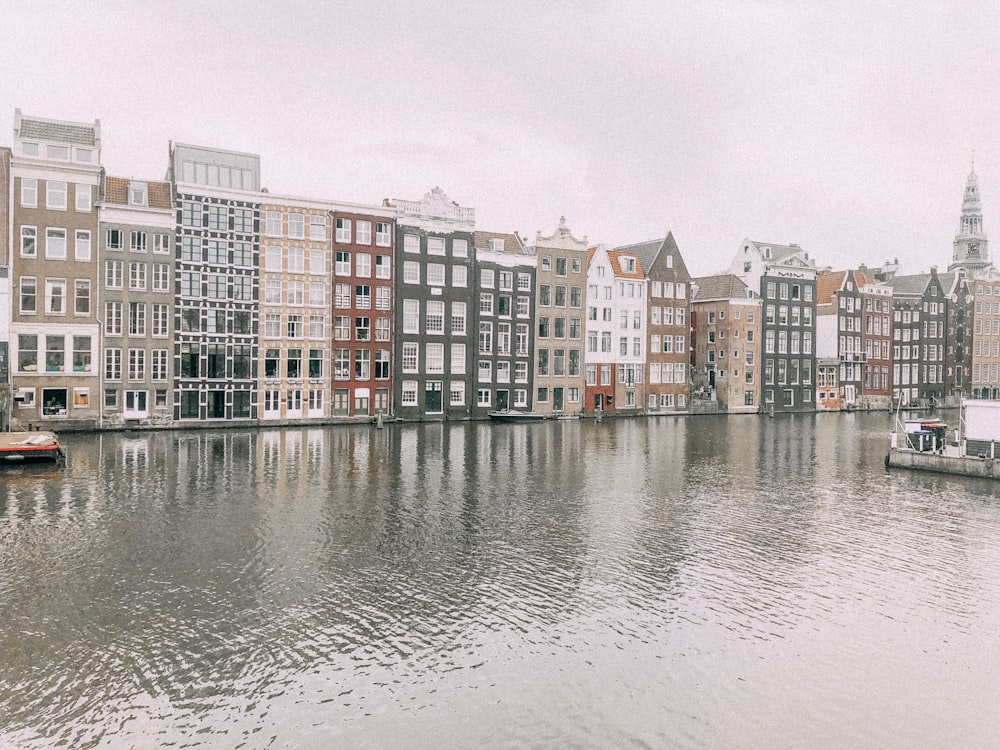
<point x="923" y="444"/>
<point x="18" y="447"/>
<point x="512" y="415"/>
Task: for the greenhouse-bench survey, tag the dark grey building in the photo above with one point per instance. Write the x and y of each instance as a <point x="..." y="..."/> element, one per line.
<point x="785" y="278"/>
<point x="434" y="317"/>
<point x="505" y="319"/>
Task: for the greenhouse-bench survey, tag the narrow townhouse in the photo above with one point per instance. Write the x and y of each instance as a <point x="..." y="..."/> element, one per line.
<point x="667" y="327"/>
<point x="6" y="397"/>
<point x="877" y="333"/>
<point x="986" y="336"/>
<point x="560" y="301"/>
<point x="217" y="279"/>
<point x="785" y="278"/>
<point x="629" y="298"/>
<point x="294" y="354"/>
<point x="725" y="319"/>
<point x="958" y="337"/>
<point x="599" y="358"/>
<point x="362" y="310"/>
<point x="505" y="318"/>
<point x="839" y="332"/>
<point x="433" y="335"/>
<point x="55" y="171"/>
<point x="919" y="314"/>
<point x="136" y="256"/>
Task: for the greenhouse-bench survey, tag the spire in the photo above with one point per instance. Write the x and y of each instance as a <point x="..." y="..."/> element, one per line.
<point x="971" y="250"/>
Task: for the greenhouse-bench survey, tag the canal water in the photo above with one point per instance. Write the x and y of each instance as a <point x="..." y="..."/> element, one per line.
<point x="720" y="582"/>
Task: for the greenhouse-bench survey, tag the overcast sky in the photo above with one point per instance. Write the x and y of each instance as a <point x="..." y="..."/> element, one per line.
<point x="846" y="127"/>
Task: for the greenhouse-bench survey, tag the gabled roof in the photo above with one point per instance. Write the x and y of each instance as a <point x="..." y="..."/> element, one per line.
<point x="779" y="253"/>
<point x="646" y="252"/>
<point x="828" y="283"/>
<point x="718" y="287"/>
<point x="512" y="243"/>
<point x="615" y="256"/>
<point x="915" y="284"/>
<point x="159" y="194"/>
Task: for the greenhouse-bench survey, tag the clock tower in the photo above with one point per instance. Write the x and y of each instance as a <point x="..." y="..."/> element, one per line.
<point x="971" y="249"/>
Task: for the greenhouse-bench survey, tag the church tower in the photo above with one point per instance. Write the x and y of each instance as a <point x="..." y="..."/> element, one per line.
<point x="971" y="249"/>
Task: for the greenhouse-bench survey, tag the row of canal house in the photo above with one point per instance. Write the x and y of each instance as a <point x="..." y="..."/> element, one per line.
<point x="204" y="297"/>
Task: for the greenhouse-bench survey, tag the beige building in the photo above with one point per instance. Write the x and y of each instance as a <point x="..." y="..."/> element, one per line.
<point x="560" y="302"/>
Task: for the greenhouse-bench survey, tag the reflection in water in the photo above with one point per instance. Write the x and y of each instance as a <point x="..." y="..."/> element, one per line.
<point x="717" y="581"/>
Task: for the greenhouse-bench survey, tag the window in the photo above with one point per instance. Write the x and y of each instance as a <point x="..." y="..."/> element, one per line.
<point x="410" y="357"/>
<point x="383" y="234"/>
<point x="55" y="296"/>
<point x="383" y="298"/>
<point x="295" y="326"/>
<point x="408" y="395"/>
<point x="297" y="226"/>
<point x="137" y="318"/>
<point x="218" y="218"/>
<point x="382" y="329"/>
<point x="29" y="193"/>
<point x="363" y="296"/>
<point x="363" y="328"/>
<point x="435" y="274"/>
<point x="458" y="316"/>
<point x="382" y="364"/>
<point x="272" y="223"/>
<point x="55" y="195"/>
<point x="317" y="261"/>
<point x="81" y="297"/>
<point x="317" y="227"/>
<point x="343" y="233"/>
<point x="294" y="364"/>
<point x="460" y="248"/>
<point x="434" y="353"/>
<point x="383" y="267"/>
<point x="112" y="364"/>
<point x="83" y="198"/>
<point x="342" y="266"/>
<point x="161" y="277"/>
<point x="363" y="265"/>
<point x="296" y="260"/>
<point x="560" y="266"/>
<point x="29" y="295"/>
<point x="137" y="242"/>
<point x="55" y="354"/>
<point x="29" y="240"/>
<point x="434" y="316"/>
<point x="411" y="244"/>
<point x="296" y="293"/>
<point x="459" y="276"/>
<point x="159" y="369"/>
<point x="137" y="276"/>
<point x="137" y="364"/>
<point x="55" y="243"/>
<point x="317" y="294"/>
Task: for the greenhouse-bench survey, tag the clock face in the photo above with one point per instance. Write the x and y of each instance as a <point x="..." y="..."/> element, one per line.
<point x="973" y="248"/>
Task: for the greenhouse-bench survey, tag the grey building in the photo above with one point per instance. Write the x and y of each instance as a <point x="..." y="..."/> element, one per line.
<point x="136" y="251"/>
<point x="505" y="319"/>
<point x="919" y="331"/>
<point x="217" y="280"/>
<point x="785" y="278"/>
<point x="434" y="315"/>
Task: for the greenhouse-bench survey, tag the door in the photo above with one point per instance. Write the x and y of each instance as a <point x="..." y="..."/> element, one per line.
<point x="432" y="397"/>
<point x="503" y="400"/>
<point x="136" y="405"/>
<point x="557" y="399"/>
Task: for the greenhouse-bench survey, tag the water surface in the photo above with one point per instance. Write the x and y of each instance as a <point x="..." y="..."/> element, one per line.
<point x="730" y="582"/>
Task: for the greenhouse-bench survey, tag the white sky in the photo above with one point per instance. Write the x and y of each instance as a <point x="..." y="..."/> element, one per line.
<point x="846" y="127"/>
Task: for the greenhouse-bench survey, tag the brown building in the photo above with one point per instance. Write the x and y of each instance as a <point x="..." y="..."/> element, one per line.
<point x="56" y="170"/>
<point x="725" y="315"/>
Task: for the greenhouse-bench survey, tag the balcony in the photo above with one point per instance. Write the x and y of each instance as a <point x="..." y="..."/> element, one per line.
<point x="853" y="357"/>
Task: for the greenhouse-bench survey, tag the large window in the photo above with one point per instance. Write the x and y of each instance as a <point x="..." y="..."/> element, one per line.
<point x="55" y="243"/>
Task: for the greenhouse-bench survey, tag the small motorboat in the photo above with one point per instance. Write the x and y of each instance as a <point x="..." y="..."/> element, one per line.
<point x="18" y="447"/>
